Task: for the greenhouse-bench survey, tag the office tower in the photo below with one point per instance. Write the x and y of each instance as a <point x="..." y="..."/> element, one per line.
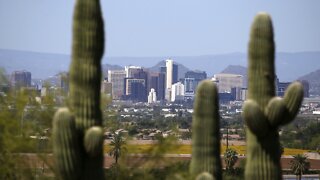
<point x="171" y="77"/>
<point x="21" y="79"/>
<point x="152" y="98"/>
<point x="174" y="73"/>
<point x="137" y="90"/>
<point x="243" y="94"/>
<point x="131" y="70"/>
<point x="197" y="75"/>
<point x="236" y="93"/>
<point x="161" y="86"/>
<point x="189" y="84"/>
<point x="177" y="92"/>
<point x="163" y="69"/>
<point x="143" y="74"/>
<point x="169" y="71"/>
<point x="116" y="77"/>
<point x="157" y="82"/>
<point x="282" y="87"/>
<point x="129" y="82"/>
<point x="189" y="88"/>
<point x="191" y="81"/>
<point x="227" y="81"/>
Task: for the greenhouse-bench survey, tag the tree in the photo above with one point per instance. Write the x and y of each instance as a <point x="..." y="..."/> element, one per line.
<point x="230" y="158"/>
<point x="117" y="146"/>
<point x="299" y="165"/>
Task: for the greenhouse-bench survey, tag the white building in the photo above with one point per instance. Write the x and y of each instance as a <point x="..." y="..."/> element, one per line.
<point x="169" y="72"/>
<point x="152" y="98"/>
<point x="116" y="77"/>
<point x="177" y="92"/>
<point x="227" y="81"/>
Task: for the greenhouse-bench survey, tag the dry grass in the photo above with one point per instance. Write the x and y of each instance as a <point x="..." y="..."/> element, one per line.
<point x="186" y="149"/>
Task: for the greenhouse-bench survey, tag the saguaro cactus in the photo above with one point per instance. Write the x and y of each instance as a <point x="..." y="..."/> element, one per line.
<point x="263" y="112"/>
<point x="205" y="132"/>
<point x="77" y="135"/>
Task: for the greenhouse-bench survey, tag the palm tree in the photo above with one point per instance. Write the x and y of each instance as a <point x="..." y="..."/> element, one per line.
<point x="117" y="146"/>
<point x="299" y="165"/>
<point x="230" y="158"/>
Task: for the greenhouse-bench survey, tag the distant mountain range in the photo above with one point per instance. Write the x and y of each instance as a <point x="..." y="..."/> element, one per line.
<point x="289" y="66"/>
<point x="236" y="69"/>
<point x="312" y="78"/>
<point x="181" y="68"/>
<point x="314" y="82"/>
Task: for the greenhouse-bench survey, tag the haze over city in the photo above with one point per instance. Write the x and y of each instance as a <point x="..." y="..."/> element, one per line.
<point x="161" y="28"/>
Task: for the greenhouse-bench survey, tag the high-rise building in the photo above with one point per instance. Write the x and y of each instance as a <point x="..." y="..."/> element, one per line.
<point x="282" y="87"/>
<point x="243" y="94"/>
<point x="131" y="70"/>
<point x="192" y="79"/>
<point x="129" y="82"/>
<point x="171" y="77"/>
<point x="138" y="93"/>
<point x="169" y="71"/>
<point x="152" y="98"/>
<point x="177" y="92"/>
<point x="174" y="73"/>
<point x="161" y="86"/>
<point x="157" y="82"/>
<point x="189" y="85"/>
<point x="227" y="81"/>
<point x="236" y="93"/>
<point x="21" y="79"/>
<point x="116" y="77"/>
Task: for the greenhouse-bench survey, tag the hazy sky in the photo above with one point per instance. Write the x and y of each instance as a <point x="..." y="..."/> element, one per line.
<point x="161" y="27"/>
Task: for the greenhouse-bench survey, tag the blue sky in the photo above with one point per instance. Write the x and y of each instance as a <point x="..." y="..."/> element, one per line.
<point x="161" y="27"/>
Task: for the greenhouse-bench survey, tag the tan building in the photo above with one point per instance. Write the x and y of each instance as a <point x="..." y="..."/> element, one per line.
<point x="227" y="81"/>
<point x="116" y="77"/>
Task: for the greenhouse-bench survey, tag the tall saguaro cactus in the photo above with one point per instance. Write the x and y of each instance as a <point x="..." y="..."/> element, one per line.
<point x="263" y="112"/>
<point x="77" y="135"/>
<point x="205" y="132"/>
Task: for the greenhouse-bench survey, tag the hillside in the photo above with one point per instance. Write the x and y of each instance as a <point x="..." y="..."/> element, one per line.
<point x="236" y="69"/>
<point x="314" y="82"/>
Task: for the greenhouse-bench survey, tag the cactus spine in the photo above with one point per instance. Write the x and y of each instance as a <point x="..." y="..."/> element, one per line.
<point x="78" y="137"/>
<point x="262" y="112"/>
<point x="205" y="132"/>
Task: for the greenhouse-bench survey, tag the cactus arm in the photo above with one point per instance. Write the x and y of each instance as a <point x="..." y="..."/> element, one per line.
<point x="204" y="176"/>
<point x="66" y="147"/>
<point x="205" y="132"/>
<point x="93" y="141"/>
<point x="251" y="112"/>
<point x="275" y="111"/>
<point x="293" y="98"/>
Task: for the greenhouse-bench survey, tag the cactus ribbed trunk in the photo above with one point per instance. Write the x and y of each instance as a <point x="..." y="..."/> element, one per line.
<point x="85" y="69"/>
<point x="263" y="156"/>
<point x="78" y="136"/>
<point x="262" y="112"/>
<point x="206" y="132"/>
